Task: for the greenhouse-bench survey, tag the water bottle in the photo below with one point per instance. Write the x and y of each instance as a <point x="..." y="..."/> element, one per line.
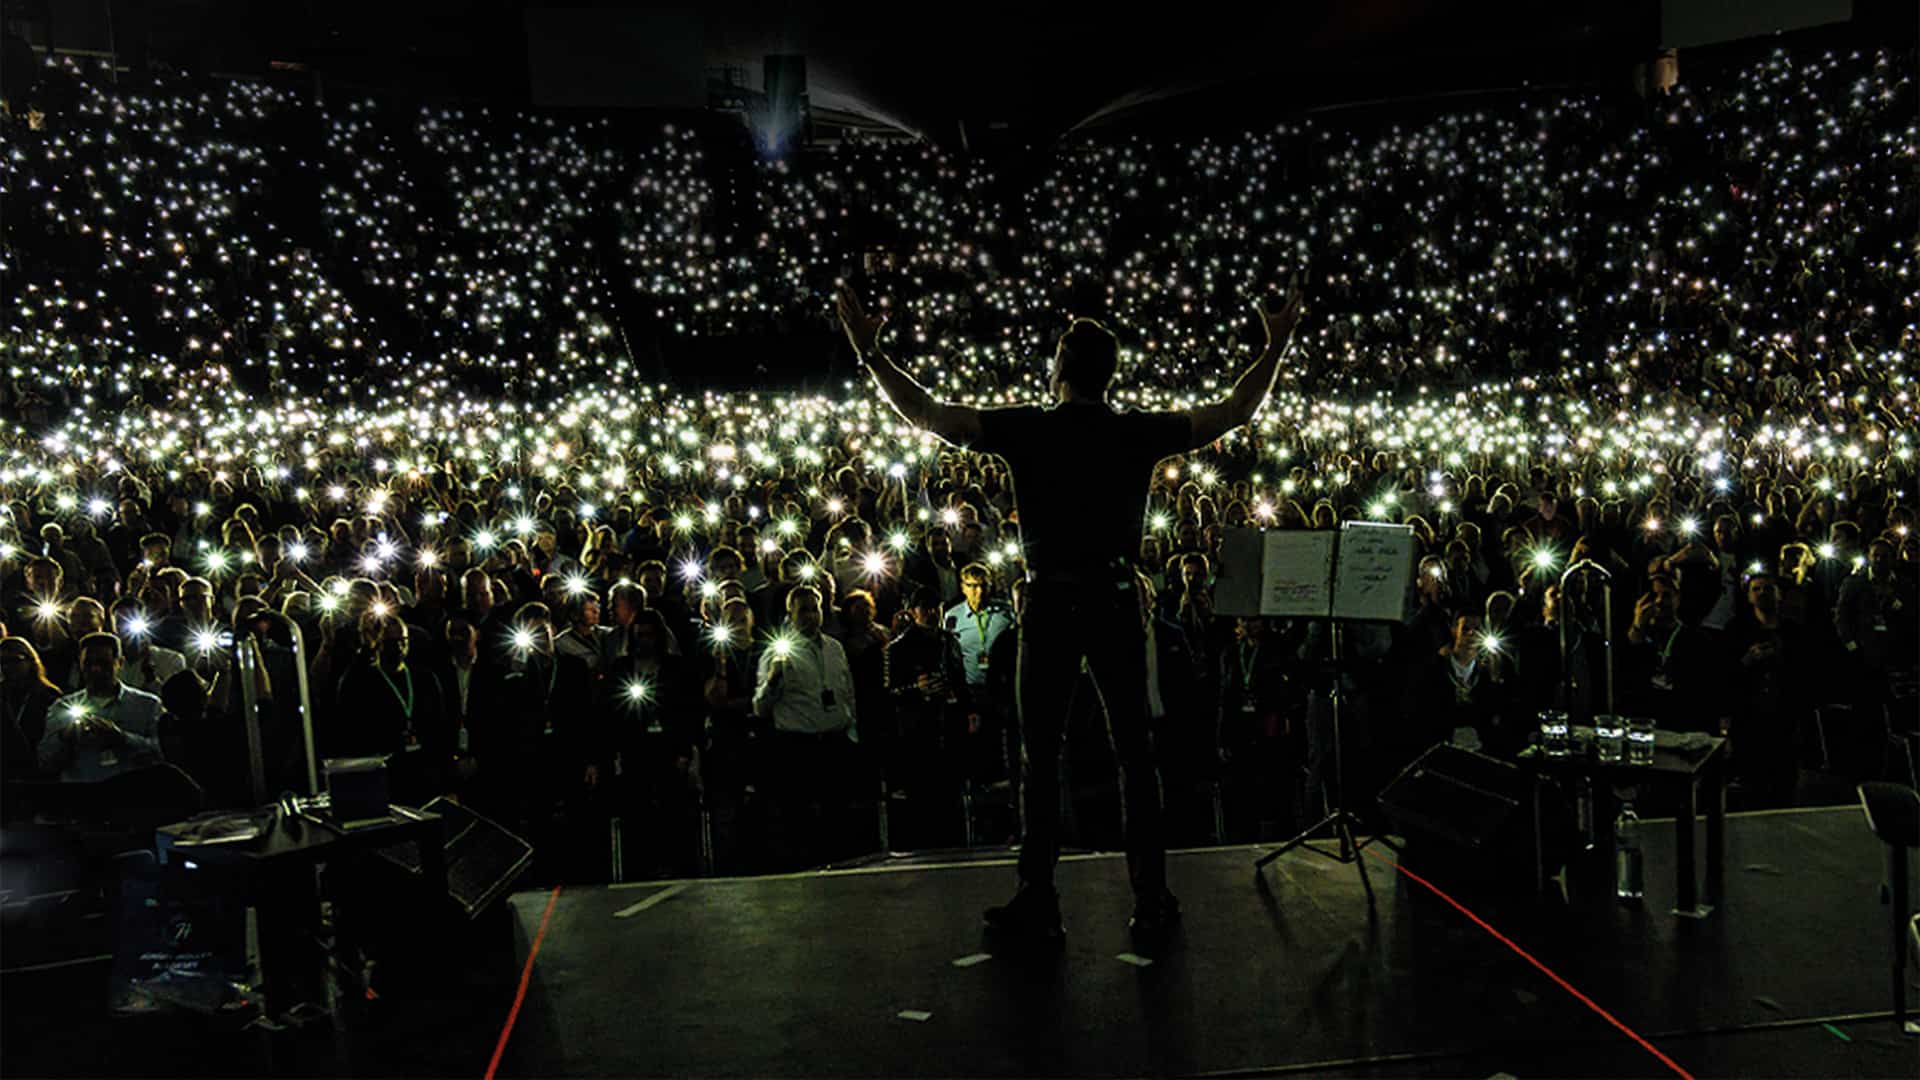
<point x="1629" y="871"/>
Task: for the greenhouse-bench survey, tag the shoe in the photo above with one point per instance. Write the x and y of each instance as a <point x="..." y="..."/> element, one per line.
<point x="1032" y="913"/>
<point x="1155" y="918"/>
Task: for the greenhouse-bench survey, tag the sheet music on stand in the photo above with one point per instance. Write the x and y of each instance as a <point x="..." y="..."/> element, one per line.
<point x="1374" y="574"/>
<point x="1364" y="572"/>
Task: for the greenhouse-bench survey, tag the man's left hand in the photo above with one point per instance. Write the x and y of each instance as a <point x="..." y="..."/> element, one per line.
<point x="863" y="330"/>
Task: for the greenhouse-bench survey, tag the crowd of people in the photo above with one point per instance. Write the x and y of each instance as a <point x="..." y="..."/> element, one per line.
<point x="276" y="363"/>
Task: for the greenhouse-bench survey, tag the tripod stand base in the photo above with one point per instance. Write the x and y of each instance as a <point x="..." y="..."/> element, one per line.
<point x="1343" y="824"/>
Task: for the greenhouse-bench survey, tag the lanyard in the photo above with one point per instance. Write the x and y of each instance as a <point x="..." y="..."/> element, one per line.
<point x="1246" y="668"/>
<point x="406" y="700"/>
<point x="1667" y="649"/>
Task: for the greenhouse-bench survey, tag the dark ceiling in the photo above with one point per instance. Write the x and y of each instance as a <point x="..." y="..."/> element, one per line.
<point x="1038" y="67"/>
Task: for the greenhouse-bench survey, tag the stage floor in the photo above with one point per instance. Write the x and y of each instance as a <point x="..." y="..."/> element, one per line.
<point x="808" y="975"/>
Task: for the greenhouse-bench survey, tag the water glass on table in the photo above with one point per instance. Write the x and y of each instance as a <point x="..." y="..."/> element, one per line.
<point x="1640" y="740"/>
<point x="1556" y="734"/>
<point x="1609" y="739"/>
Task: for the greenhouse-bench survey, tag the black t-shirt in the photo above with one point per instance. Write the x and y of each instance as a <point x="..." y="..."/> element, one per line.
<point x="1080" y="477"/>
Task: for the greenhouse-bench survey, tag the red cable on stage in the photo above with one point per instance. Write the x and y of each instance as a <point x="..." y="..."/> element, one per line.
<point x="526" y="976"/>
<point x="1549" y="972"/>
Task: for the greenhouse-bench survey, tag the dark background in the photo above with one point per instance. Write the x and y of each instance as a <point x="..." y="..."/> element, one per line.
<point x="1025" y="72"/>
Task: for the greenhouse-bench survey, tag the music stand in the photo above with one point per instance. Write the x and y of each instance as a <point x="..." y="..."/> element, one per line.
<point x="1338" y="818"/>
<point x="1362" y="572"/>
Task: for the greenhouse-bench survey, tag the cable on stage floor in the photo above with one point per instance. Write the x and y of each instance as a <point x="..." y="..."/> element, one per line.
<point x="526" y="976"/>
<point x="1544" y="969"/>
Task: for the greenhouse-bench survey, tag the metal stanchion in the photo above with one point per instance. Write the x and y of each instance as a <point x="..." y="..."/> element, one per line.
<point x="299" y="639"/>
<point x="1576" y="609"/>
<point x="246" y="665"/>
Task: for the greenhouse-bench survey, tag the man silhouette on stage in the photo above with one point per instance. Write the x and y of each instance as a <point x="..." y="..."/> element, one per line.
<point x="1080" y="476"/>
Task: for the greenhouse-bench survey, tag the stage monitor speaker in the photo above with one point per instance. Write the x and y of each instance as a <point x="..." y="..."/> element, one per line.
<point x="483" y="859"/>
<point x="1469" y="818"/>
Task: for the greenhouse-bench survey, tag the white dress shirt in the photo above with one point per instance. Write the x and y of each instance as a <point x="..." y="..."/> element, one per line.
<point x="136" y="712"/>
<point x="166" y="664"/>
<point x="816" y="673"/>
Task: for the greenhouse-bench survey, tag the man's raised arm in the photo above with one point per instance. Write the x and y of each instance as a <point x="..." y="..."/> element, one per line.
<point x="955" y="423"/>
<point x="1212" y="421"/>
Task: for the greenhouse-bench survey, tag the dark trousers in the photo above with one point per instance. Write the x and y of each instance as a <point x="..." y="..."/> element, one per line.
<point x="813" y="783"/>
<point x="1100" y="623"/>
<point x="658" y="808"/>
